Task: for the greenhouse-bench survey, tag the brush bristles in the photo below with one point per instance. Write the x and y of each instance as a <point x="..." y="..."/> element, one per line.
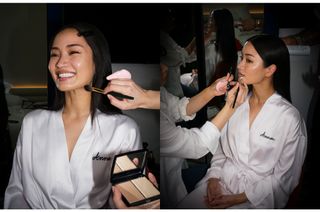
<point x="88" y="88"/>
<point x="93" y="89"/>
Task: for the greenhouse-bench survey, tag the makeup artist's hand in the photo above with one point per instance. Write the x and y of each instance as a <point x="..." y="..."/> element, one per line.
<point x="241" y="96"/>
<point x="147" y="99"/>
<point x="117" y="198"/>
<point x="220" y="85"/>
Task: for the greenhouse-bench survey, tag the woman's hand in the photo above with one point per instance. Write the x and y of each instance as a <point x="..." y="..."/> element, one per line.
<point x="213" y="190"/>
<point x="117" y="198"/>
<point x="227" y="201"/>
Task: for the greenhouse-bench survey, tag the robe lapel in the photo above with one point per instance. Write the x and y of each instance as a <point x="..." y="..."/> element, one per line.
<point x="62" y="188"/>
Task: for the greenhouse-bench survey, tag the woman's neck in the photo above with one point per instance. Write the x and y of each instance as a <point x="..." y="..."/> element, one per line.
<point x="77" y="103"/>
<point x="261" y="93"/>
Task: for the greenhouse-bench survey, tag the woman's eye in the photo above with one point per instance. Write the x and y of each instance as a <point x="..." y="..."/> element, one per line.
<point x="248" y="61"/>
<point x="53" y="55"/>
<point x="74" y="52"/>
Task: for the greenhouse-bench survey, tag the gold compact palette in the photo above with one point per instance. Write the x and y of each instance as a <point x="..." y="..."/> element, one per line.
<point x="128" y="175"/>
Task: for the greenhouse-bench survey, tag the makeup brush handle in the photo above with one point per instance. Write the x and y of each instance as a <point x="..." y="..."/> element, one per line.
<point x="120" y="95"/>
<point x="97" y="90"/>
<point x="235" y="98"/>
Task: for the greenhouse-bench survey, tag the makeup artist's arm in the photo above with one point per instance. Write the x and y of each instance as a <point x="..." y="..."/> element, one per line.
<point x="226" y="112"/>
<point x="147" y="99"/>
<point x="200" y="100"/>
<point x="117" y="198"/>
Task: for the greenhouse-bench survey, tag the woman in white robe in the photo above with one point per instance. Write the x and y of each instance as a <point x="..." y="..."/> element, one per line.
<point x="63" y="156"/>
<point x="263" y="146"/>
<point x="177" y="143"/>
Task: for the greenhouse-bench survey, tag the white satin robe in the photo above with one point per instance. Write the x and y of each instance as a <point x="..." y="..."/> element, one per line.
<point x="177" y="144"/>
<point x="42" y="175"/>
<point x="264" y="161"/>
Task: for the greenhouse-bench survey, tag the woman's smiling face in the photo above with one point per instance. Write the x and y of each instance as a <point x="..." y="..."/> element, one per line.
<point x="71" y="61"/>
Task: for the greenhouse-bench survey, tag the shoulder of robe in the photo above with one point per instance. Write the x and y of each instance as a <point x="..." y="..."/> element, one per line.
<point x="119" y="120"/>
<point x="288" y="109"/>
<point x="37" y="115"/>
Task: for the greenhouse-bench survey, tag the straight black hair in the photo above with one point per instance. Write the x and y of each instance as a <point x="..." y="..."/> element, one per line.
<point x="225" y="38"/>
<point x="226" y="48"/>
<point x="102" y="60"/>
<point x="273" y="50"/>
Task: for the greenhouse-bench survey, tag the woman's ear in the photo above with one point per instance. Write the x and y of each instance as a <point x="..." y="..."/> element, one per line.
<point x="270" y="70"/>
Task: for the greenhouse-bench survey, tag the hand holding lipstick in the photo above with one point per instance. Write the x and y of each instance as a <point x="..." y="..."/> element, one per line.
<point x="236" y="96"/>
<point x="222" y="85"/>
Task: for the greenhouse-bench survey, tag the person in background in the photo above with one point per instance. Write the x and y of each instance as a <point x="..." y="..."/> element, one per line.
<point x="175" y="55"/>
<point x="222" y="55"/>
<point x="262" y="148"/>
<point x="55" y="163"/>
<point x="244" y="24"/>
<point x="178" y="143"/>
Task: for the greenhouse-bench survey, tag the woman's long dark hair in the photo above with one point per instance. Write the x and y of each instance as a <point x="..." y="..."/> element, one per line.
<point x="102" y="60"/>
<point x="273" y="50"/>
<point x="225" y="37"/>
<point x="226" y="48"/>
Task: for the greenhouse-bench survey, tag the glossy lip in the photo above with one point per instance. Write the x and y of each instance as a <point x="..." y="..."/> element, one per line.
<point x="240" y="75"/>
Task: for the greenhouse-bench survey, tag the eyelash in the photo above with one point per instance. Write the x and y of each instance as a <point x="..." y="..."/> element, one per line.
<point x="53" y="55"/>
<point x="74" y="52"/>
<point x="247" y="60"/>
<point x="70" y="53"/>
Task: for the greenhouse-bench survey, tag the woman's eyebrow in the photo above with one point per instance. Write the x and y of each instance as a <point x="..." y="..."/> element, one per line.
<point x="251" y="55"/>
<point x="68" y="46"/>
<point x="75" y="44"/>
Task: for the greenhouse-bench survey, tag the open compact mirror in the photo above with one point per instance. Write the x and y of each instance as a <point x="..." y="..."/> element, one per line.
<point x="128" y="175"/>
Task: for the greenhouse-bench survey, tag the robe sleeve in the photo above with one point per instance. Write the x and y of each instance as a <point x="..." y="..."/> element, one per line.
<point x="194" y="143"/>
<point x="217" y="162"/>
<point x="132" y="139"/>
<point x="273" y="191"/>
<point x="175" y="108"/>
<point x="179" y="142"/>
<point x="14" y="197"/>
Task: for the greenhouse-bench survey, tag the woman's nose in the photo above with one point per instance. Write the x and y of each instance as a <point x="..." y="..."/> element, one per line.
<point x="61" y="62"/>
<point x="240" y="65"/>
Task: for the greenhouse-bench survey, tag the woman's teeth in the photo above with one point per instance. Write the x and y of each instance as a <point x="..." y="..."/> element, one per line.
<point x="66" y="75"/>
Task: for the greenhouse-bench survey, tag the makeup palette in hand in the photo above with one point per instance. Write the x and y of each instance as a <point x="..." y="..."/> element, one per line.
<point x="128" y="174"/>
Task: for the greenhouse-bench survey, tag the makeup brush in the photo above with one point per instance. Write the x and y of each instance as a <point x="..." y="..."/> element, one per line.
<point x="119" y="96"/>
<point x="235" y="98"/>
<point x="228" y="85"/>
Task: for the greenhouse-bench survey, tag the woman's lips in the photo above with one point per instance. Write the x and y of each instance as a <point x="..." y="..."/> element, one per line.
<point x="63" y="76"/>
